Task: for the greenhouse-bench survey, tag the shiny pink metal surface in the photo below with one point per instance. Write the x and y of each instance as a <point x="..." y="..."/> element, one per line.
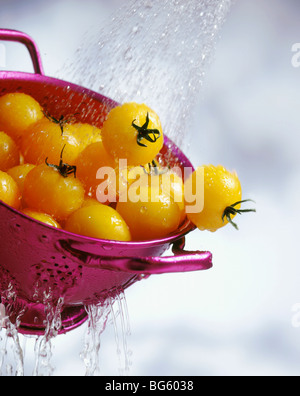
<point x="37" y="260"/>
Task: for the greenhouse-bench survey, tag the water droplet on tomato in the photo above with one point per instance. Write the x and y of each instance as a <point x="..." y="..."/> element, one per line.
<point x="143" y="210"/>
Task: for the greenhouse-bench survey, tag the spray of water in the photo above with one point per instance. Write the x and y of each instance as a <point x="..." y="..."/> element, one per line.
<point x="155" y="52"/>
<point x="43" y="344"/>
<point x="97" y="319"/>
<point x="121" y="324"/>
<point x="11" y="353"/>
<point x="113" y="310"/>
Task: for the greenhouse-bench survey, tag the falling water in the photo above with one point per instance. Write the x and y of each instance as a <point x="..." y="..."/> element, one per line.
<point x="43" y="345"/>
<point x="121" y="324"/>
<point x="113" y="310"/>
<point x="97" y="319"/>
<point x="12" y="353"/>
<point x="10" y="341"/>
<point x="155" y="52"/>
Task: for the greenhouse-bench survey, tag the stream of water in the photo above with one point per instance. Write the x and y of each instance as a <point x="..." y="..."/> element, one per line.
<point x="114" y="312"/>
<point x="156" y="52"/>
<point x="15" y="347"/>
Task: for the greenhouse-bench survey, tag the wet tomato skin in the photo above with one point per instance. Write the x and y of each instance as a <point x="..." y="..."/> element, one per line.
<point x="47" y="191"/>
<point x="42" y="140"/>
<point x="221" y="189"/>
<point x="150" y="218"/>
<point x="18" y="111"/>
<point x="121" y="138"/>
<point x="42" y="217"/>
<point x="19" y="173"/>
<point x="45" y="139"/>
<point x="98" y="221"/>
<point x="9" y="152"/>
<point x="89" y="161"/>
<point x="9" y="191"/>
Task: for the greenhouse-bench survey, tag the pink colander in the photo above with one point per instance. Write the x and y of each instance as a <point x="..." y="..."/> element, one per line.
<point x="39" y="263"/>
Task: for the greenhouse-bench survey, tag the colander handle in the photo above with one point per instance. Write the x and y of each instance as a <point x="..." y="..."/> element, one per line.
<point x="182" y="261"/>
<point x="17" y="36"/>
<point x="187" y="262"/>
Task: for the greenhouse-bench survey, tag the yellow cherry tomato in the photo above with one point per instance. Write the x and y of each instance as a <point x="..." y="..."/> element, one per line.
<point x="48" y="191"/>
<point x="46" y="138"/>
<point x="76" y="137"/>
<point x="88" y="163"/>
<point x="42" y="217"/>
<point x="166" y="180"/>
<point x="9" y="152"/>
<point x="100" y="222"/>
<point x="9" y="191"/>
<point x="85" y="134"/>
<point x="221" y="195"/>
<point x="122" y="177"/>
<point x="89" y="202"/>
<point x="149" y="212"/>
<point x="17" y="112"/>
<point x="133" y="132"/>
<point x="172" y="183"/>
<point x="19" y="173"/>
<point x="119" y="179"/>
<point x="42" y="140"/>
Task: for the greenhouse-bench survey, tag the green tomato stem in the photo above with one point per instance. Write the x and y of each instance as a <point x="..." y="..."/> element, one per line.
<point x="232" y="211"/>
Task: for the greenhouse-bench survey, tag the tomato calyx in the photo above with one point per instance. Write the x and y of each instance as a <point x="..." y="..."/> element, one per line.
<point x="151" y="135"/>
<point x="153" y="168"/>
<point x="61" y="121"/>
<point x="64" y="169"/>
<point x="232" y="211"/>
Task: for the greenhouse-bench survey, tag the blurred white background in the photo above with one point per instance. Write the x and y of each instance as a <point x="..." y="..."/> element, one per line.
<point x="240" y="318"/>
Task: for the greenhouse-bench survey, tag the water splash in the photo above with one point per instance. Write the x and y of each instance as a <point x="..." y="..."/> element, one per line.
<point x="97" y="319"/>
<point x="154" y="52"/>
<point x="121" y="325"/>
<point x="13" y="363"/>
<point x="43" y="344"/>
<point x="12" y="352"/>
<point x="113" y="310"/>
